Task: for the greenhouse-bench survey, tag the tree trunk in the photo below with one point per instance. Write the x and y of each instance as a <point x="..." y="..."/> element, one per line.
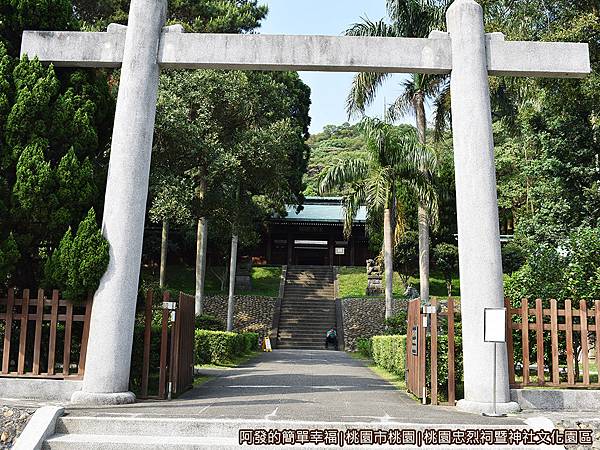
<point x="388" y="262"/>
<point x="232" y="269"/>
<point x="164" y="243"/>
<point x="423" y="216"/>
<point x="201" y="243"/>
<point x="449" y="288"/>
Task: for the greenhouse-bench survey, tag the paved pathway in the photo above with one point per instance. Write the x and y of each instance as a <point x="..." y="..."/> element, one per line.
<point x="301" y="385"/>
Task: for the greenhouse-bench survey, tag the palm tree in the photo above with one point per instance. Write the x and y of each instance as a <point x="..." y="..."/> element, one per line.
<point x="396" y="163"/>
<point x="409" y="18"/>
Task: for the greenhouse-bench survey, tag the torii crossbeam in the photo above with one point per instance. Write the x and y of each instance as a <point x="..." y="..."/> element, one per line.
<point x="144" y="46"/>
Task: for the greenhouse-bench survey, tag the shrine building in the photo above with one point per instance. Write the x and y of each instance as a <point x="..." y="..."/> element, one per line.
<point x="315" y="236"/>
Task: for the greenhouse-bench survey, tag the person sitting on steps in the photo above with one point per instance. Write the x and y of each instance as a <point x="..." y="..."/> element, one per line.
<point x="331" y="338"/>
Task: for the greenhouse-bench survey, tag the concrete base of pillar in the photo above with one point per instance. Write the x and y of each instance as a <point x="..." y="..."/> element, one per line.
<point x="100" y="399"/>
<point x="480" y="407"/>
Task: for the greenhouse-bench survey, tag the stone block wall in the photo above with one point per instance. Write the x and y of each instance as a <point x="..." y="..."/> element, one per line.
<point x="364" y="317"/>
<point x="252" y="313"/>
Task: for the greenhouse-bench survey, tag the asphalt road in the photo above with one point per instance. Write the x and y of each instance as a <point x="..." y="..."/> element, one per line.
<point x="301" y="385"/>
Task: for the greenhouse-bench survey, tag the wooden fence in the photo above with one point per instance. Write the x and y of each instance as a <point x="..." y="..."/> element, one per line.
<point x="176" y="361"/>
<point x="563" y="334"/>
<point x="558" y="338"/>
<point x="43" y="337"/>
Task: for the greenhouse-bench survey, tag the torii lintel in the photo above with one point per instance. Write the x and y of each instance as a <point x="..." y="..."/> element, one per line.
<point x="309" y="53"/>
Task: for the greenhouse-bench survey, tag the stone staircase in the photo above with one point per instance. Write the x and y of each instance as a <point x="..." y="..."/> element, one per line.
<point x="138" y="432"/>
<point x="307" y="308"/>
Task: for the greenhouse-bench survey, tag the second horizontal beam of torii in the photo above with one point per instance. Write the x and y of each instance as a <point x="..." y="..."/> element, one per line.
<point x="180" y="50"/>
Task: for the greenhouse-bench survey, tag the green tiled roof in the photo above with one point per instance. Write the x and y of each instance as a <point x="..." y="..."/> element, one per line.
<point x="322" y="209"/>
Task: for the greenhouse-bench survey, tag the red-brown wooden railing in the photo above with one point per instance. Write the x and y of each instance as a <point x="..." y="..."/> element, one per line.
<point x="27" y="321"/>
<point x="555" y="323"/>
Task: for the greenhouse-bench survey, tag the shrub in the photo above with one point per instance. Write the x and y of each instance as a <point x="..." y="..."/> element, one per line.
<point x="208" y="322"/>
<point x="137" y="355"/>
<point x="251" y="342"/>
<point x="442" y="362"/>
<point x="389" y="352"/>
<point x="513" y="257"/>
<point x="396" y="325"/>
<point x="79" y="262"/>
<point x="222" y="347"/>
<point x="364" y="347"/>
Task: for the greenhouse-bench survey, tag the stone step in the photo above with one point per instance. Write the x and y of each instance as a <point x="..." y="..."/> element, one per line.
<point x="140" y="442"/>
<point x="306" y="325"/>
<point x="126" y="432"/>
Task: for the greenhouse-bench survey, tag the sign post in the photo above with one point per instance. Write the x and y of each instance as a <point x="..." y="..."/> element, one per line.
<point x="494" y="331"/>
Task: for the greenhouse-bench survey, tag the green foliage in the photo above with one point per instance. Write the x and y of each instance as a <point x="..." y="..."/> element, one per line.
<point x="364" y="346"/>
<point x="389" y="352"/>
<point x="208" y="322"/>
<point x="406" y="256"/>
<point x="446" y="260"/>
<point x="570" y="271"/>
<point x="344" y="142"/>
<point x="208" y="16"/>
<point x="79" y="262"/>
<point x="442" y="361"/>
<point x="9" y="255"/>
<point x="396" y="325"/>
<point x="222" y="347"/>
<point x="547" y="129"/>
<point x="137" y="354"/>
<point x="513" y="257"/>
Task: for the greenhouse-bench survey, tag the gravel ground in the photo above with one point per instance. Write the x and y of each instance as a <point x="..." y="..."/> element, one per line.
<point x="12" y="422"/>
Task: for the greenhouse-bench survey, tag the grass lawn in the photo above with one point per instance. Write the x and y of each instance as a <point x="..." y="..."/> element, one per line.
<point x="265" y="280"/>
<point x="353" y="283"/>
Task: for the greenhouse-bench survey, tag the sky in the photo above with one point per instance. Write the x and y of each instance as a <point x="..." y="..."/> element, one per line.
<point x="328" y="17"/>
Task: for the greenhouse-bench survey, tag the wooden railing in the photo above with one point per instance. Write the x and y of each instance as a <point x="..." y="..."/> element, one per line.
<point x="575" y="328"/>
<point x="37" y="331"/>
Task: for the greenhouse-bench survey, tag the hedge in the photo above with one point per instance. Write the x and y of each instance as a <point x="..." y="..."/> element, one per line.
<point x="222" y="347"/>
<point x="389" y="352"/>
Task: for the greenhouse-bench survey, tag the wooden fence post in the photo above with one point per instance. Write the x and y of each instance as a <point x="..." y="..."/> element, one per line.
<point x="147" y="342"/>
<point x="554" y="338"/>
<point x="52" y="339"/>
<point x="583" y="322"/>
<point x="164" y="338"/>
<point x="23" y="336"/>
<point x="525" y="339"/>
<point x="569" y="331"/>
<point x="539" y="336"/>
<point x="434" y="354"/>
<point x="509" y="342"/>
<point x="8" y="331"/>
<point x="451" y="353"/>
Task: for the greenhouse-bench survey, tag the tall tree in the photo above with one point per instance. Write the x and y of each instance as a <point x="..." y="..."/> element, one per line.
<point x="207" y="16"/>
<point x="408" y="18"/>
<point x="397" y="163"/>
<point x="207" y="128"/>
<point x="54" y="133"/>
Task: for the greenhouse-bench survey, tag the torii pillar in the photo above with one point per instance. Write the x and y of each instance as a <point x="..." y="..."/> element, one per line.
<point x="480" y="260"/>
<point x="466" y="52"/>
<point x="106" y="377"/>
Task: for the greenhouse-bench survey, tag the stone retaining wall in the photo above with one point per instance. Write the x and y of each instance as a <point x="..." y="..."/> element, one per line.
<point x="251" y="313"/>
<point x="364" y="317"/>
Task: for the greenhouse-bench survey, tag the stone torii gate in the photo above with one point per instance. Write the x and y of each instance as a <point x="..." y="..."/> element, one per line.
<point x="144" y="46"/>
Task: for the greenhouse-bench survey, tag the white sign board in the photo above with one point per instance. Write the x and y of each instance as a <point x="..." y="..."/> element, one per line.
<point x="340" y="251"/>
<point x="494" y="328"/>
